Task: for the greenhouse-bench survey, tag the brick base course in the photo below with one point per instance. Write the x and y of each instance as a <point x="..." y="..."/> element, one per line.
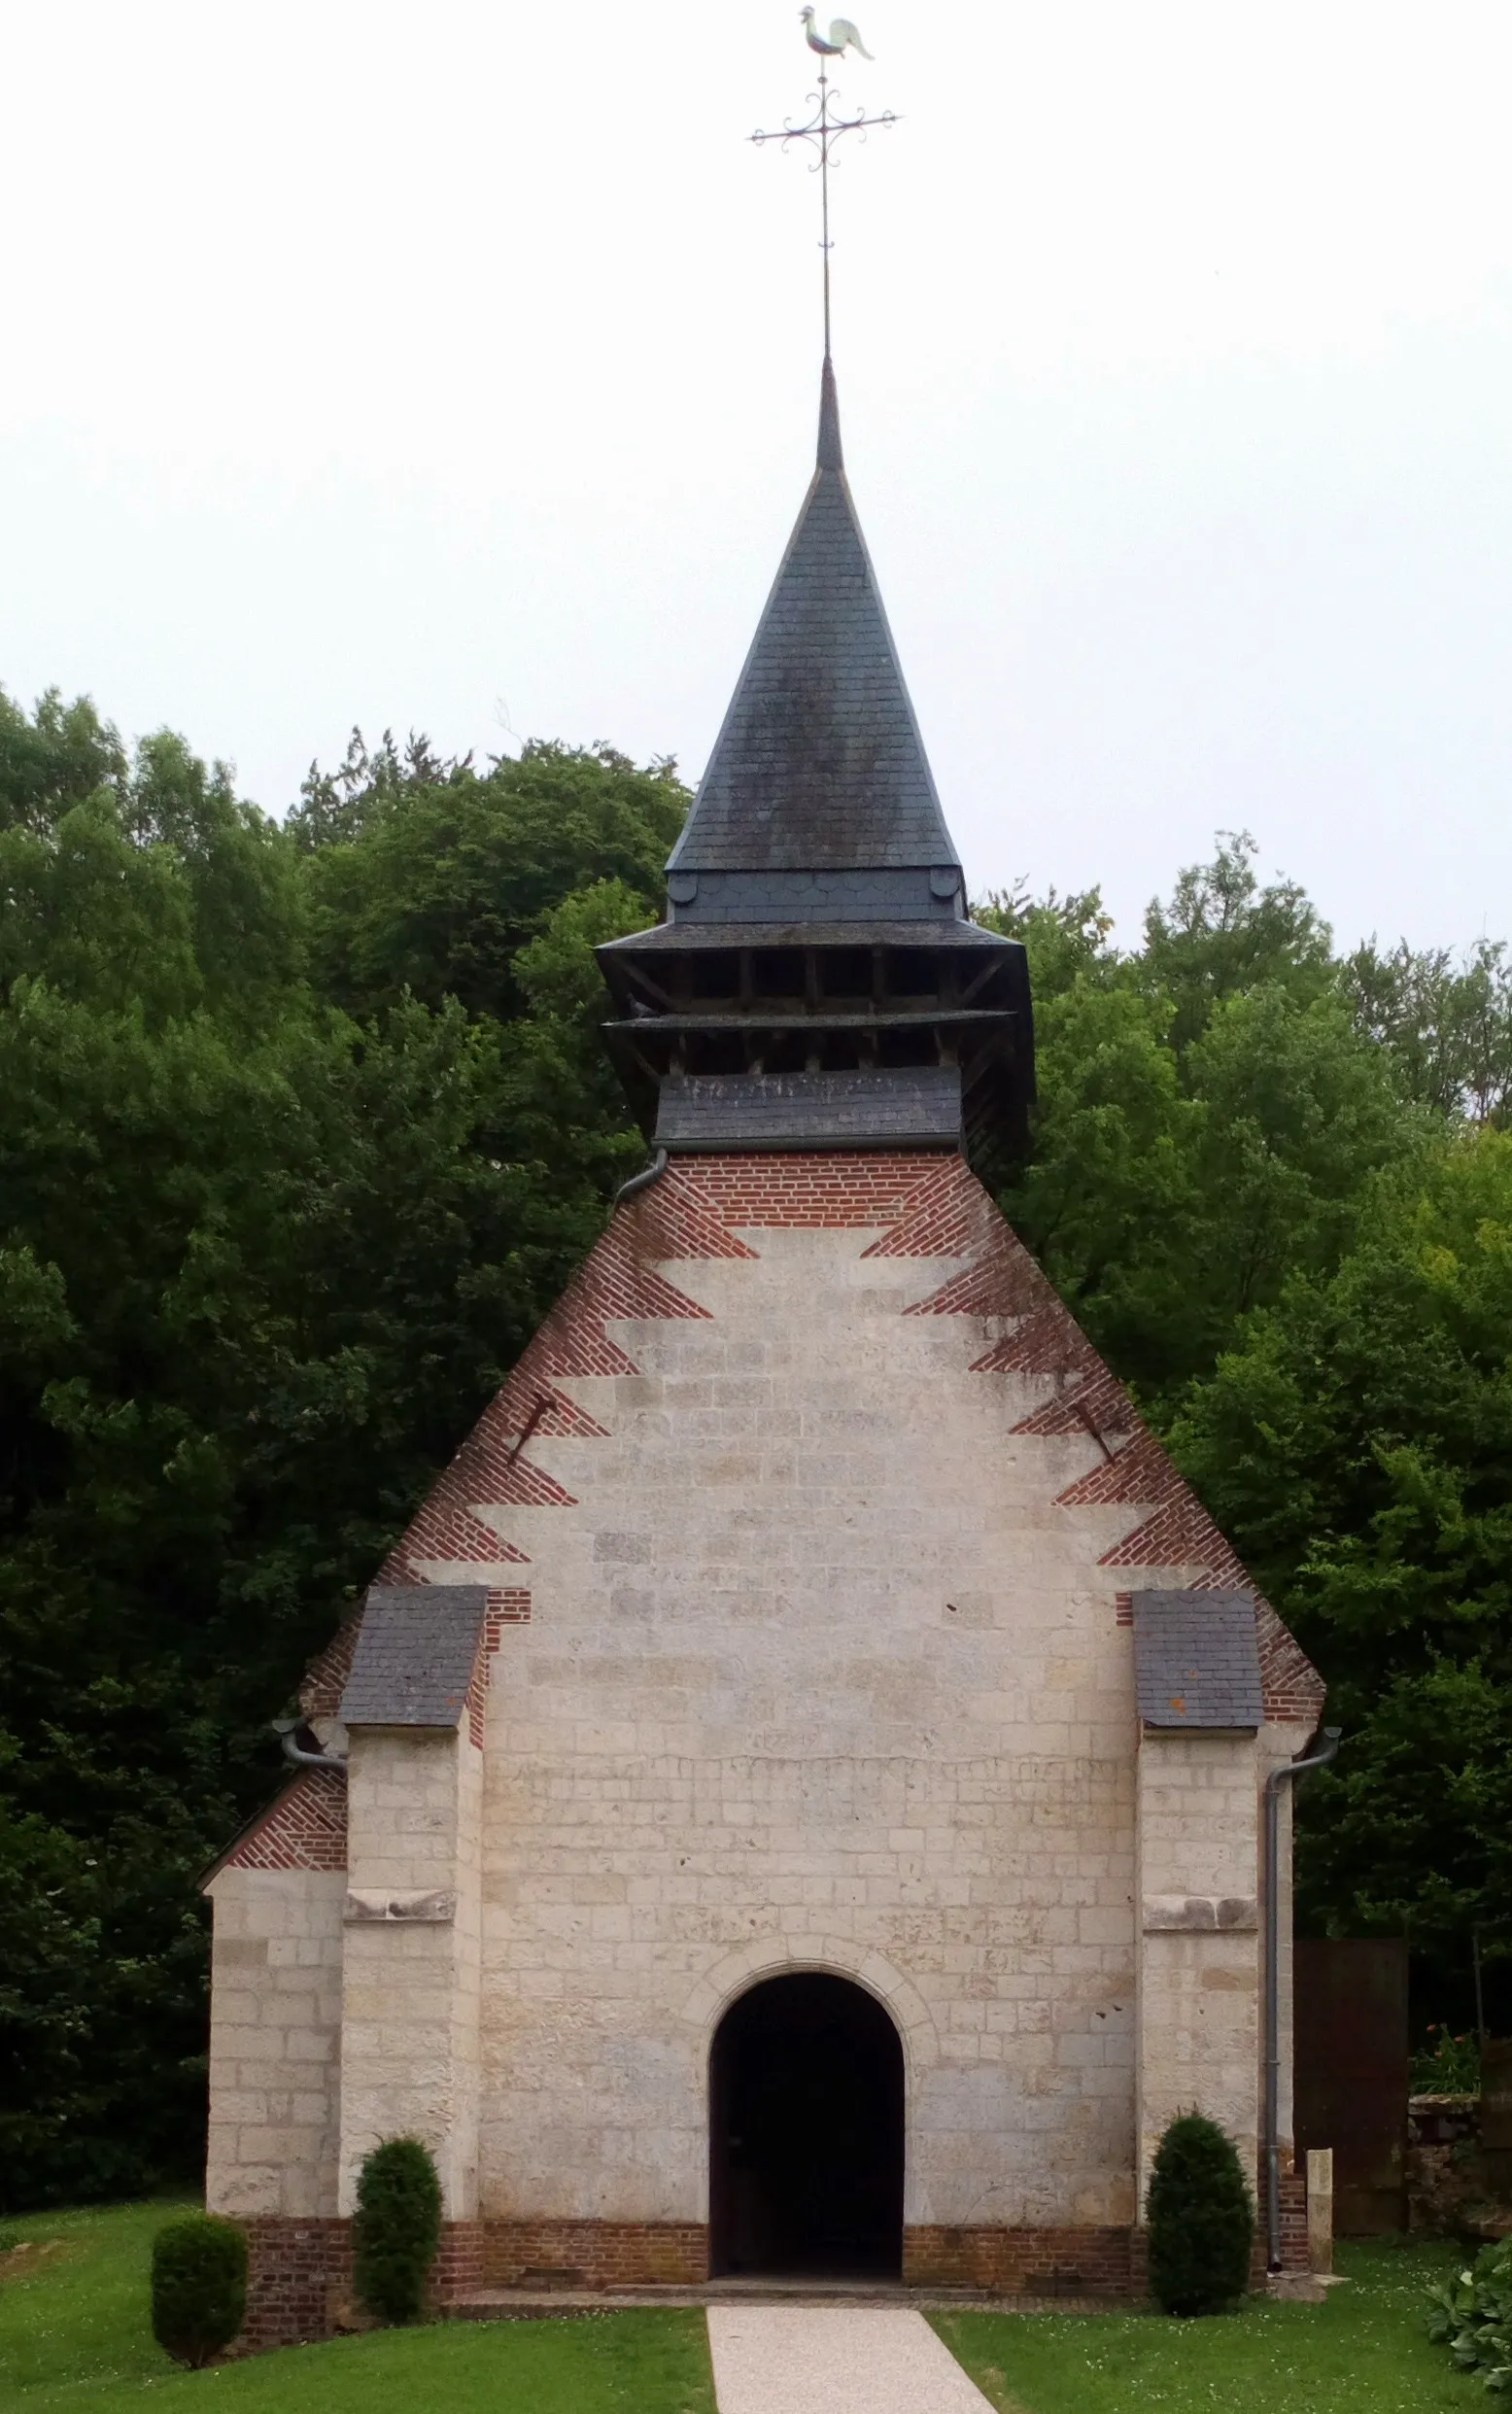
<point x="296" y="2273"/>
<point x="461" y="2265"/>
<point x="1019" y="2262"/>
<point x="299" y="2278"/>
<point x="1293" y="2221"/>
<point x="597" y="2255"/>
<point x="299" y="2272"/>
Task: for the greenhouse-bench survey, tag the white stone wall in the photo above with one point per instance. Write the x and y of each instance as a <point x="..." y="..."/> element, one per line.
<point x="1201" y="1965"/>
<point x="817" y="1675"/>
<point x="410" y="1991"/>
<point x="275" y="2041"/>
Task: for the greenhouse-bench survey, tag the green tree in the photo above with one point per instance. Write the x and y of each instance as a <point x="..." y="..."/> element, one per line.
<point x="1447" y="1028"/>
<point x="1209" y="1112"/>
<point x="445" y="880"/>
<point x="261" y="1264"/>
<point x="1358" y="1446"/>
<point x="1220" y="934"/>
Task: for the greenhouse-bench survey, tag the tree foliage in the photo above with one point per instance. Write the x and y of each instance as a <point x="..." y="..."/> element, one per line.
<point x="265" y="1252"/>
<point x="1357" y="1445"/>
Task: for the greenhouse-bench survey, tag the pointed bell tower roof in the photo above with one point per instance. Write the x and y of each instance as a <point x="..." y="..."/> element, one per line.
<point x="818" y="981"/>
<point x="819" y="766"/>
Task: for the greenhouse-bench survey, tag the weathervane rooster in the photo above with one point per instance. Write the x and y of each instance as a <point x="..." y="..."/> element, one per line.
<point x="824" y="130"/>
<point x="843" y="36"/>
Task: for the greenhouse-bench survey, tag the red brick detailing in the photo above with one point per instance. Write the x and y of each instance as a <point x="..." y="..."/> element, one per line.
<point x="459" y="2263"/>
<point x="1293" y="2221"/>
<point x="837" y="1192"/>
<point x="950" y="1214"/>
<point x="492" y="1467"/>
<point x="325" y="1677"/>
<point x="1019" y="2262"/>
<point x="477" y="1698"/>
<point x="674" y="1219"/>
<point x="596" y="2255"/>
<point x="1290" y="1686"/>
<point x="306" y="1828"/>
<point x="505" y="1610"/>
<point x="299" y="2277"/>
<point x="928" y="1204"/>
<point x="1123" y="1609"/>
<point x="942" y="1216"/>
<point x="443" y="1529"/>
<point x="1294" y="2256"/>
<point x="297" y="2273"/>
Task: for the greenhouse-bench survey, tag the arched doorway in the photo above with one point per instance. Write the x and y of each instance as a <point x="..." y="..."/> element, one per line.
<point x="806" y="2133"/>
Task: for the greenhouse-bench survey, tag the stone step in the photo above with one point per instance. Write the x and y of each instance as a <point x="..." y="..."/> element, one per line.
<point x="536" y="2304"/>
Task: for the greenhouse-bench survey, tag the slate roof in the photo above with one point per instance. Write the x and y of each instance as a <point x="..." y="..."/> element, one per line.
<point x="415" y="1655"/>
<point x="1196" y="1660"/>
<point x="819" y="765"/>
<point x="917" y="1106"/>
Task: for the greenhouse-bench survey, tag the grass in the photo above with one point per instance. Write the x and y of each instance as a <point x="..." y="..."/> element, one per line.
<point x="1364" y="2352"/>
<point x="74" y="2339"/>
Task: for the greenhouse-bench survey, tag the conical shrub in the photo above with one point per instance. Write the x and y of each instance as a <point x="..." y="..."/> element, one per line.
<point x="1200" y="2218"/>
<point x="396" y="2230"/>
<point x="199" y="2287"/>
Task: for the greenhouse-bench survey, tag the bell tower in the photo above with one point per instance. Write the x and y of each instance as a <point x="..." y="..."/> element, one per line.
<point x="817" y="982"/>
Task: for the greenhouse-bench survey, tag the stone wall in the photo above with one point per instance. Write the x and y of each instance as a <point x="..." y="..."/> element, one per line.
<point x="412" y="1937"/>
<point x="275" y="2039"/>
<point x="823" y="1669"/>
<point x="1199" y="1962"/>
<point x="816" y="1519"/>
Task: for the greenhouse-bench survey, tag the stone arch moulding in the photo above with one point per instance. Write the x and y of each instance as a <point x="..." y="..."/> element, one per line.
<point x="826" y="1956"/>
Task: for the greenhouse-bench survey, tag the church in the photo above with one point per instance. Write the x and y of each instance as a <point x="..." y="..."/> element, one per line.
<point x="793" y="1804"/>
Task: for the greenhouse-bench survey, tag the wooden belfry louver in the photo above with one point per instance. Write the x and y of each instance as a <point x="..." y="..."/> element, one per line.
<point x="792" y="1801"/>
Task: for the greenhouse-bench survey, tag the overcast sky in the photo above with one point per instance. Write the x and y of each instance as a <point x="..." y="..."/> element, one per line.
<point x="454" y="367"/>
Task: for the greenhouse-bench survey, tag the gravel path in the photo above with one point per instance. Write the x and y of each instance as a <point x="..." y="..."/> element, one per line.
<point x="833" y="2360"/>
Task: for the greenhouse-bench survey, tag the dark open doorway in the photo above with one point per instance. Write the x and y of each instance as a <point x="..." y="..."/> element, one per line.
<point x="806" y="2133"/>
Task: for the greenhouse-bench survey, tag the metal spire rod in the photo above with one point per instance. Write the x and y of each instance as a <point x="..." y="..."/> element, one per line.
<point x="824" y="130"/>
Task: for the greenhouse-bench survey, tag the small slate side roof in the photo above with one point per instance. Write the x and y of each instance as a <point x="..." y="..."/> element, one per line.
<point x="415" y="1655"/>
<point x="903" y="1106"/>
<point x="1196" y="1660"/>
<point x="819" y="765"/>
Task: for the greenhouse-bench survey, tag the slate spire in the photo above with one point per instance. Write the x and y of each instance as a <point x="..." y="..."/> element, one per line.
<point x="829" y="456"/>
<point x="819" y="767"/>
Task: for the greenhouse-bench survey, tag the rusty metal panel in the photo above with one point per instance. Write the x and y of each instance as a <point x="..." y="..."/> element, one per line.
<point x="1496" y="2122"/>
<point x="1350" y="2027"/>
<point x="1497" y="2094"/>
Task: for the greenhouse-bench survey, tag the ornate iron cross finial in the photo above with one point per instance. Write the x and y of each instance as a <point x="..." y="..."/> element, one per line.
<point x="824" y="130"/>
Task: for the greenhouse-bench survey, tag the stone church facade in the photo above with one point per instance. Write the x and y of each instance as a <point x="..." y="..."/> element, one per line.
<point x="792" y="1801"/>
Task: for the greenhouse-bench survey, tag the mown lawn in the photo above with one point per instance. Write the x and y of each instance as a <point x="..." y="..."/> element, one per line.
<point x="1364" y="2352"/>
<point x="74" y="2334"/>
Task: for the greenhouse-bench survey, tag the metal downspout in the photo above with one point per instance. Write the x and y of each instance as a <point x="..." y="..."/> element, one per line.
<point x="1286" y="1775"/>
<point x="643" y="1180"/>
<point x="288" y="1729"/>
